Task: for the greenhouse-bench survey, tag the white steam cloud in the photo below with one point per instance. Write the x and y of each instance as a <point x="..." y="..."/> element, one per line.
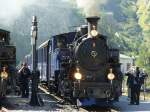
<point x="90" y="7"/>
<point x="10" y="10"/>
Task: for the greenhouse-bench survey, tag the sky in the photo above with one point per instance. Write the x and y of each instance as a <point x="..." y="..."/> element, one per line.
<point x="12" y="9"/>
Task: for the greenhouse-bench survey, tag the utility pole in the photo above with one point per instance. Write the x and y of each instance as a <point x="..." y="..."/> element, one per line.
<point x="35" y="98"/>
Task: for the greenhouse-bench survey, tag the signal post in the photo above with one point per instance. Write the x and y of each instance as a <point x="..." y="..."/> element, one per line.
<point x="35" y="98"/>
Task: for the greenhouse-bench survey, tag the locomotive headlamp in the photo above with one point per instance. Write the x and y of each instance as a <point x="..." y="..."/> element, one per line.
<point x="94" y="32"/>
<point x="110" y="76"/>
<point x="78" y="75"/>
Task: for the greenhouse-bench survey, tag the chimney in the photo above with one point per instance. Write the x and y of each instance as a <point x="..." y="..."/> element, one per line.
<point x="92" y="23"/>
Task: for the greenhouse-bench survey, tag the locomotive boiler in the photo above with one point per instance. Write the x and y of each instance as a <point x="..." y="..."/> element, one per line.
<point x="80" y="66"/>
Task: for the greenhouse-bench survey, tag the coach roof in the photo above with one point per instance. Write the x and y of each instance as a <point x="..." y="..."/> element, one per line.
<point x="44" y="44"/>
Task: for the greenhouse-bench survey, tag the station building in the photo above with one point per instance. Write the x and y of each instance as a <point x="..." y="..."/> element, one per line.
<point x="126" y="62"/>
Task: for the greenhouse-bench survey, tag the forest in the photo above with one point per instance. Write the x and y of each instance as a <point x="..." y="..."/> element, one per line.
<point x="125" y="22"/>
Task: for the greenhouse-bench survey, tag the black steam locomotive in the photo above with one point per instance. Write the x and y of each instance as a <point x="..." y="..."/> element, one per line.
<point x="7" y="58"/>
<point x="80" y="66"/>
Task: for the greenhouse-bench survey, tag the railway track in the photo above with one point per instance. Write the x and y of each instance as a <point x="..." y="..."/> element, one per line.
<point x="70" y="107"/>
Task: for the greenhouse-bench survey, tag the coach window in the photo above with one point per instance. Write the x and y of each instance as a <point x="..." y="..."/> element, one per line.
<point x="50" y="49"/>
<point x="59" y="44"/>
<point x="2" y="39"/>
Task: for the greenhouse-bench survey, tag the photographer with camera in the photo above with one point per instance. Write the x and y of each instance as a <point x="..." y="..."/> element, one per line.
<point x="24" y="75"/>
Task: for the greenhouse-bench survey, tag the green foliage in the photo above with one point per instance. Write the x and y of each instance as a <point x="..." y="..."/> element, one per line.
<point x="132" y="33"/>
<point x="125" y="34"/>
<point x="143" y="13"/>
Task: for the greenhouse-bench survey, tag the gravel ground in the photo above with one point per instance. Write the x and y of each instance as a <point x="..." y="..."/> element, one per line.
<point x="15" y="103"/>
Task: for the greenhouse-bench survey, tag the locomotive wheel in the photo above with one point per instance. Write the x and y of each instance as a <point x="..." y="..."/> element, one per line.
<point x="64" y="89"/>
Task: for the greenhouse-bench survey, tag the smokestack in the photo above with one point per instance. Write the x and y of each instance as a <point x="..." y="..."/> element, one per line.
<point x="92" y="23"/>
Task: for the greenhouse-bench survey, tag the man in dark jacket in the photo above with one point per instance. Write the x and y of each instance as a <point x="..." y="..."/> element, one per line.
<point x="24" y="75"/>
<point x="129" y="75"/>
<point x="135" y="84"/>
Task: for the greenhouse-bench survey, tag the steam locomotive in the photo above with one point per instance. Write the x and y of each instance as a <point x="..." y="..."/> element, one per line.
<point x="80" y="66"/>
<point x="7" y="58"/>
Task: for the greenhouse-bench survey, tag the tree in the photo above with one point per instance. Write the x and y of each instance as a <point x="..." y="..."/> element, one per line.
<point x="143" y="13"/>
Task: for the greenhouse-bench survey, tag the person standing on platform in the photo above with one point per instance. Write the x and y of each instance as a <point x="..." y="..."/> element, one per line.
<point x="3" y="82"/>
<point x="143" y="77"/>
<point x="135" y="87"/>
<point x="129" y="75"/>
<point x="24" y="75"/>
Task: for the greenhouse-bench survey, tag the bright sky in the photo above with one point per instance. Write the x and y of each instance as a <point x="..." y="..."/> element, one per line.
<point x="11" y="9"/>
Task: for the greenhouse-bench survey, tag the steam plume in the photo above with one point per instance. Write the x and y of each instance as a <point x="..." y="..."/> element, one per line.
<point x="90" y="7"/>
